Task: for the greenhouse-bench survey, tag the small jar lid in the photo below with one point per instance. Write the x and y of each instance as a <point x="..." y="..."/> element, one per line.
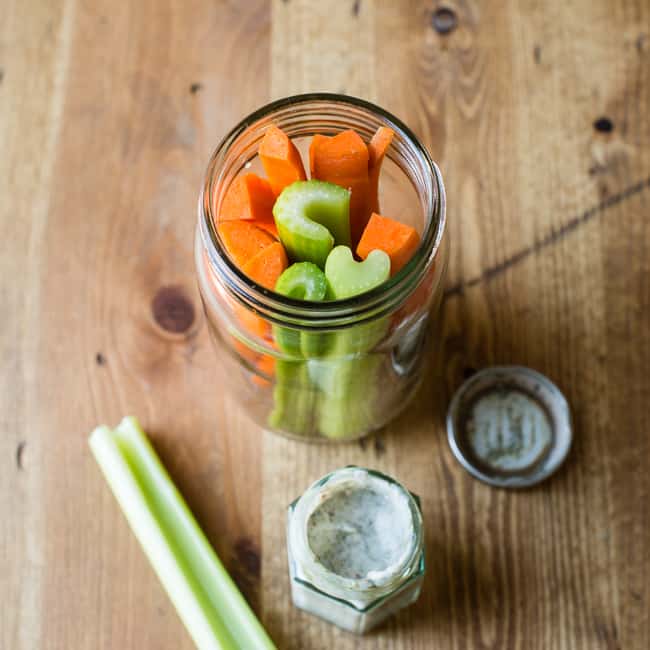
<point x="509" y="426"/>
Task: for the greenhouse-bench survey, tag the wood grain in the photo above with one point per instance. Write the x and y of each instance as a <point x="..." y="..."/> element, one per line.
<point x="108" y="114"/>
<point x="506" y="103"/>
<point x="107" y="138"/>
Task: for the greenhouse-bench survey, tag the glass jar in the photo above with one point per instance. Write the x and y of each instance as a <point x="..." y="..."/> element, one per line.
<point x="334" y="370"/>
<point x="355" y="546"/>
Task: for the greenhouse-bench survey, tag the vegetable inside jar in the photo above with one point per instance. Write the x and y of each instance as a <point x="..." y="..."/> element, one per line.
<point x="355" y="545"/>
<point x="322" y="327"/>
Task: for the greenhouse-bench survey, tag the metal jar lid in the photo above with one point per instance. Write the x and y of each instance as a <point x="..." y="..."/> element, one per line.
<point x="509" y="426"/>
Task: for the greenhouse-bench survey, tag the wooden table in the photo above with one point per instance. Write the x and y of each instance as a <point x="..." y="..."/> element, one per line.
<point x="539" y="115"/>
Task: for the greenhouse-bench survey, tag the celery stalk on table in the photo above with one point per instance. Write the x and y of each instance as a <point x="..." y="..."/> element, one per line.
<point x="205" y="597"/>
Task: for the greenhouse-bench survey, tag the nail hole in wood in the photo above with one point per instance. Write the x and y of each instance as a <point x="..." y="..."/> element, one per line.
<point x="100" y="359"/>
<point x="19" y="454"/>
<point x="172" y="310"/>
<point x="604" y="125"/>
<point x="468" y="371"/>
<point x="195" y="87"/>
<point x="444" y="20"/>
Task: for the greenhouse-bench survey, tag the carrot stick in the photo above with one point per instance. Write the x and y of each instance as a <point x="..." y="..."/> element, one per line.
<point x="267" y="266"/>
<point x="396" y="239"/>
<point x="269" y="226"/>
<point x="243" y="240"/>
<point x="343" y="159"/>
<point x="281" y="159"/>
<point x="266" y="366"/>
<point x="315" y="142"/>
<point x="248" y="197"/>
<point x="376" y="152"/>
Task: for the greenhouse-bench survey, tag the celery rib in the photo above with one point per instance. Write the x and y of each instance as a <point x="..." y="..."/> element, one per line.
<point x="208" y="602"/>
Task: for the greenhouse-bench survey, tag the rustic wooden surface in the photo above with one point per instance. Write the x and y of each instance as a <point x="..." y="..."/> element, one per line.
<point x="108" y="114"/>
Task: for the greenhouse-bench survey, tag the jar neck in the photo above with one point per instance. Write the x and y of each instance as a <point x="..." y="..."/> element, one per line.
<point x="305" y="115"/>
<point x="365" y="589"/>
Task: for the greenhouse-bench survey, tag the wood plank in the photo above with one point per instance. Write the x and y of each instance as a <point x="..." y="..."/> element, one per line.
<point x="506" y="103"/>
<point x="106" y="117"/>
<point x="31" y="37"/>
<point x="109" y="114"/>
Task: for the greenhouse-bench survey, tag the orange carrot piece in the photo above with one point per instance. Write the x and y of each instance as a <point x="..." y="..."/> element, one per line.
<point x="376" y="152"/>
<point x="281" y="159"/>
<point x="315" y="142"/>
<point x="267" y="266"/>
<point x="248" y="197"/>
<point x="244" y="351"/>
<point x="343" y="159"/>
<point x="396" y="239"/>
<point x="344" y="155"/>
<point x="252" y="324"/>
<point x="266" y="366"/>
<point x="269" y="226"/>
<point x="243" y="240"/>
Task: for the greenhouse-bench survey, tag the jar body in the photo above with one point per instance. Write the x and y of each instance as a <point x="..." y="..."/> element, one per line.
<point x="326" y="378"/>
<point x="356" y="606"/>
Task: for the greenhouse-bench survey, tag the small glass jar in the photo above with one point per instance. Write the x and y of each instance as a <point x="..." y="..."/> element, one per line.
<point x="355" y="546"/>
<point x="333" y="370"/>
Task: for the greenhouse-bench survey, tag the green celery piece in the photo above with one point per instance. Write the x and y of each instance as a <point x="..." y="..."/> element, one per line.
<point x="288" y="340"/>
<point x="348" y="278"/>
<point x="349" y="395"/>
<point x="213" y="610"/>
<point x="311" y="217"/>
<point x="348" y="375"/>
<point x="302" y="281"/>
<point x="294" y="398"/>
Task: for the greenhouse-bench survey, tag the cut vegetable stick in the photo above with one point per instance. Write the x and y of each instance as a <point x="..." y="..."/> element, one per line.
<point x="344" y="155"/>
<point x="248" y="197"/>
<point x="396" y="239"/>
<point x="281" y="159"/>
<point x="343" y="159"/>
<point x="267" y="266"/>
<point x="269" y="226"/>
<point x="243" y="240"/>
<point x="294" y="398"/>
<point x="266" y="366"/>
<point x="315" y="142"/>
<point x="205" y="597"/>
<point x="376" y="151"/>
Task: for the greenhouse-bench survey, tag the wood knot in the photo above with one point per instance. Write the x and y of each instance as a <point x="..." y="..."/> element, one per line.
<point x="172" y="310"/>
<point x="444" y="20"/>
<point x="195" y="87"/>
<point x="248" y="556"/>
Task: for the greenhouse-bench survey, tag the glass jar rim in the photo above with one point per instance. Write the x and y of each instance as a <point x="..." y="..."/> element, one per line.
<point x="330" y="582"/>
<point x="369" y="305"/>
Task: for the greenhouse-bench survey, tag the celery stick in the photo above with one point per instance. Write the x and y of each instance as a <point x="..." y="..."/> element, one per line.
<point x="205" y="597"/>
<point x="347" y="377"/>
<point x="294" y="398"/>
<point x="349" y="397"/>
